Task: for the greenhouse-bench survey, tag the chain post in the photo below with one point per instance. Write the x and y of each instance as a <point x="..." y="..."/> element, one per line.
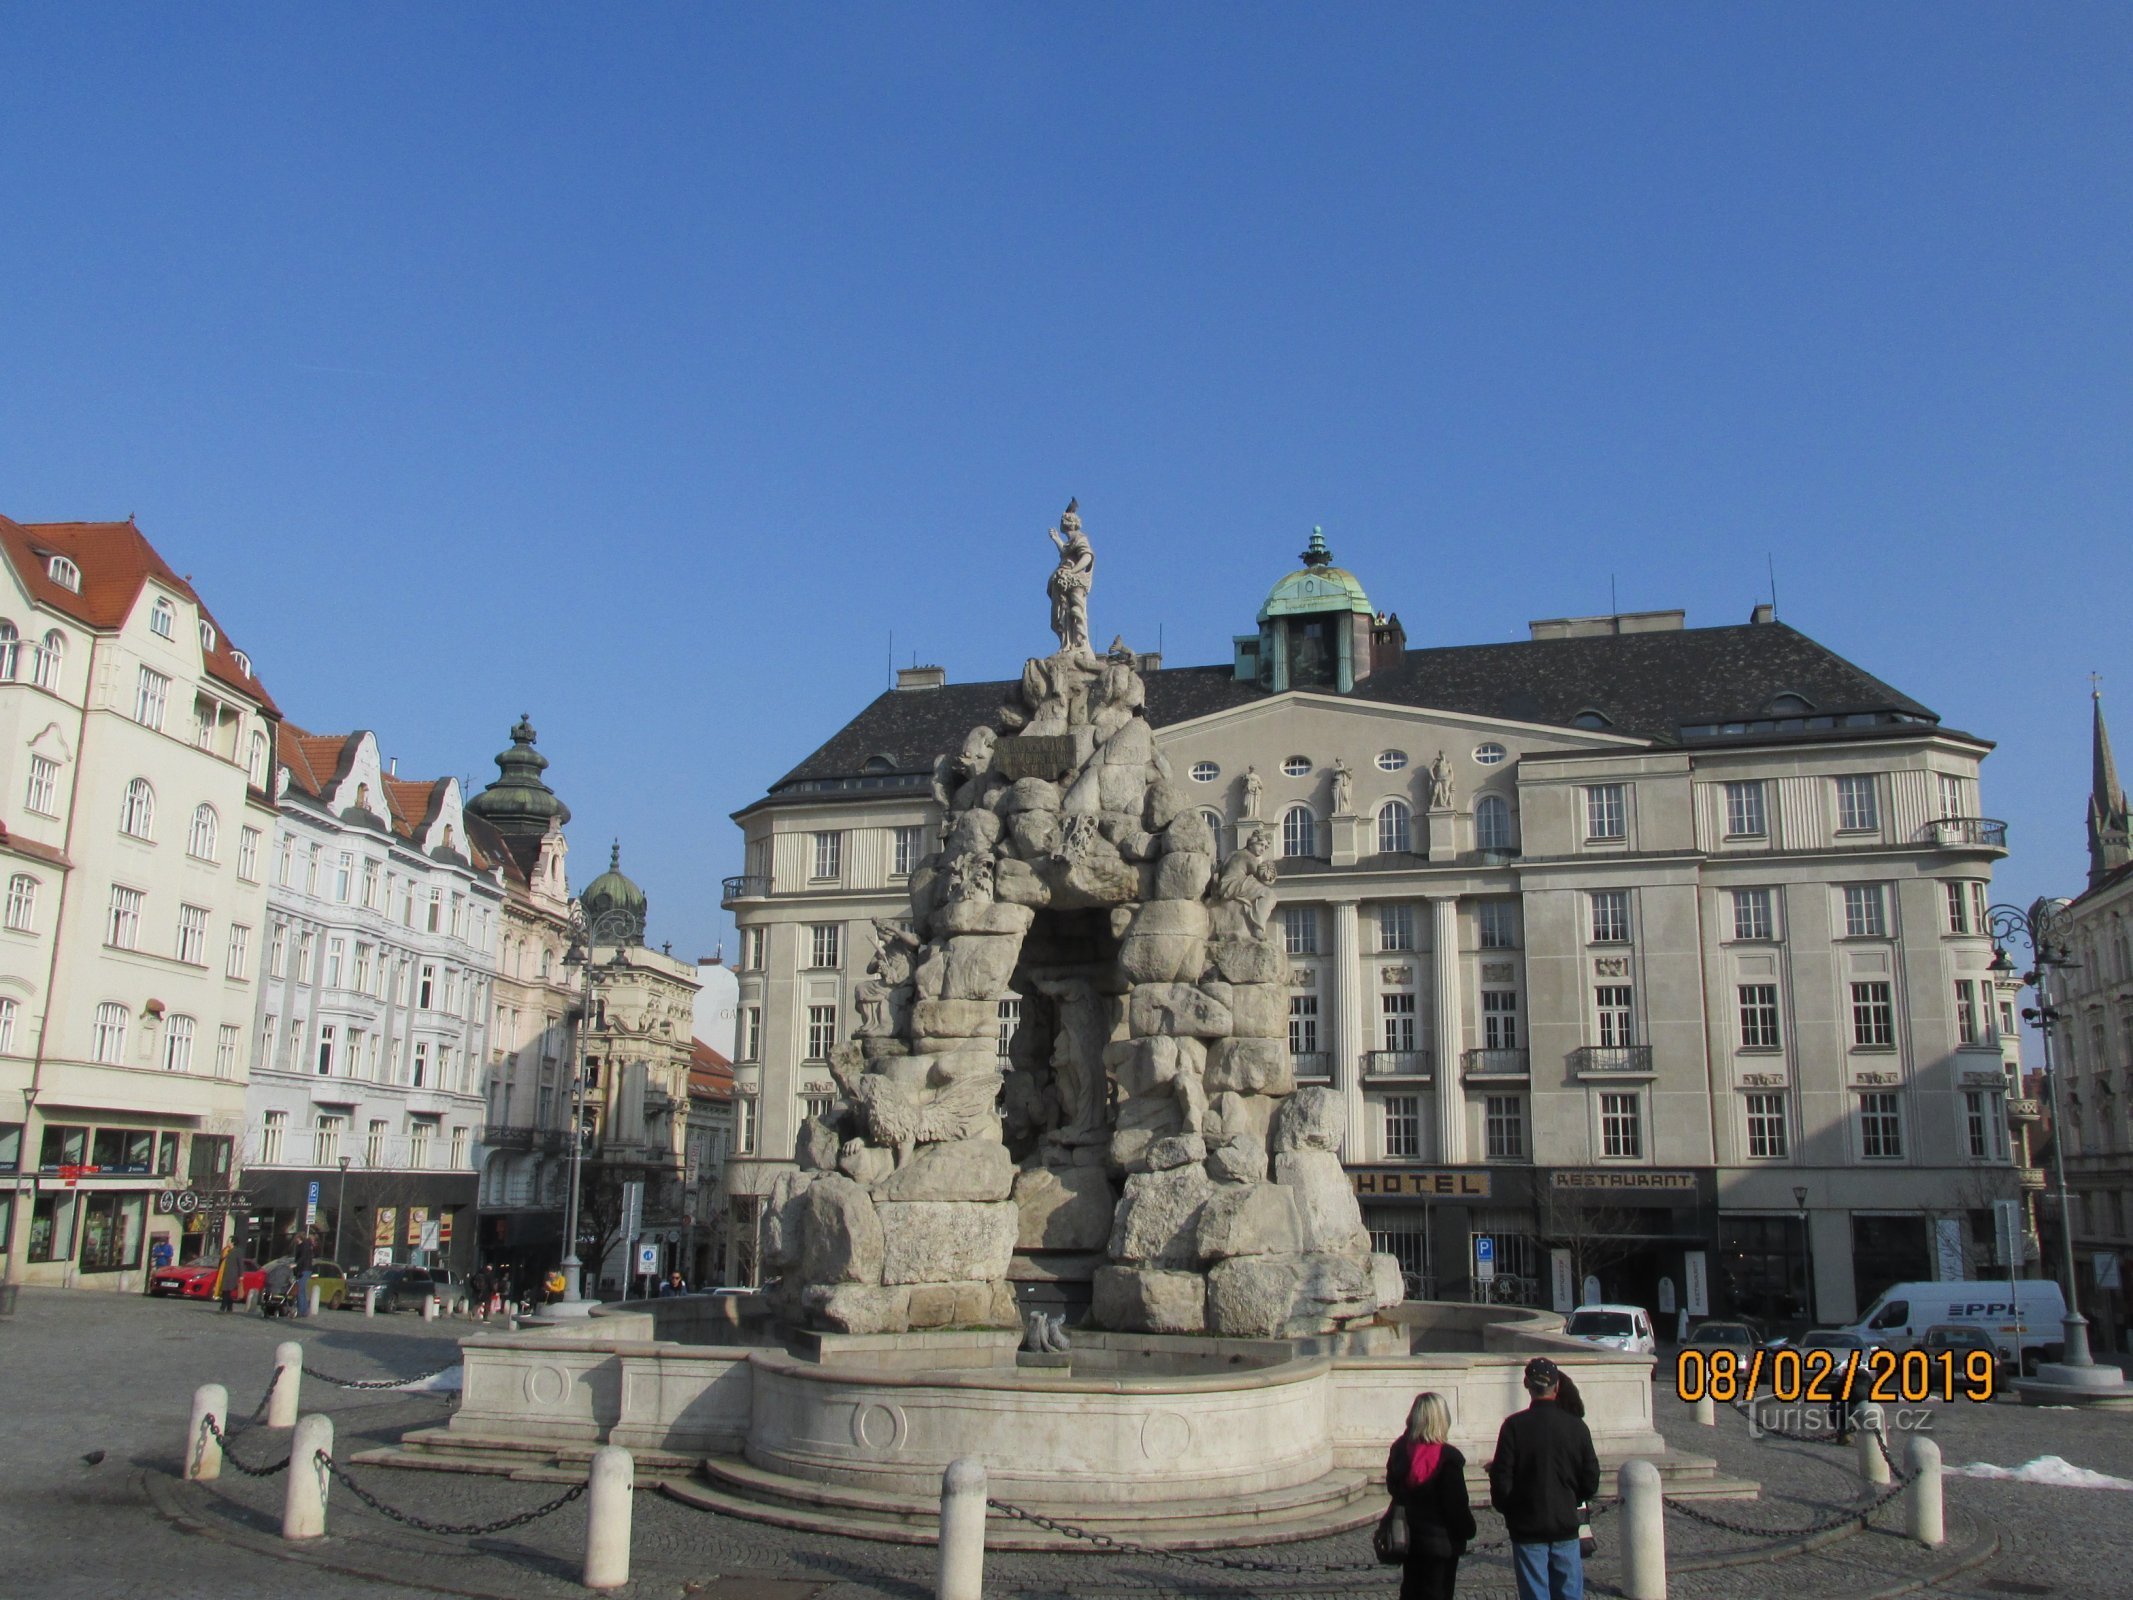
<point x="303" y="1506"/>
<point x="282" y="1397"/>
<point x="203" y="1441"/>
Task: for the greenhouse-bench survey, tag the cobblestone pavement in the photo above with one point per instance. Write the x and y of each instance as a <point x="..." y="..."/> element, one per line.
<point x="88" y="1372"/>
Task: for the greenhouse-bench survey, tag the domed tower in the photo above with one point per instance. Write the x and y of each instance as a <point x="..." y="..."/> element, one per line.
<point x="614" y="906"/>
<point x="519" y="804"/>
<point x="1317" y="630"/>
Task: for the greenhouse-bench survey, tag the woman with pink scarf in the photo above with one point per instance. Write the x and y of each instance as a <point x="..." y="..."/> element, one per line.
<point x="1427" y="1475"/>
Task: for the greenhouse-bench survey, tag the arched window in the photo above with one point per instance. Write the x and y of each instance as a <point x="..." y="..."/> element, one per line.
<point x="1215" y="825"/>
<point x="244" y="662"/>
<point x="206" y="835"/>
<point x="160" y="618"/>
<point x="10" y="645"/>
<point x="1591" y="719"/>
<point x="107" y="1041"/>
<point x="1396" y="828"/>
<point x="259" y="760"/>
<point x="207" y="637"/>
<point x="178" y="1044"/>
<point x="64" y="573"/>
<point x="47" y="659"/>
<point x="1492" y="823"/>
<point x="546" y="954"/>
<point x="1299" y="832"/>
<point x="137" y="813"/>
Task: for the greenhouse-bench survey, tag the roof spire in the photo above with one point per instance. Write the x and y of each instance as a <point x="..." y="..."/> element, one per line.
<point x="2110" y="828"/>
<point x="1315" y="553"/>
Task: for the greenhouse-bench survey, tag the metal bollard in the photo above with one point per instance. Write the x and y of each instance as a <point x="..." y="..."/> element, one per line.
<point x="1871" y="1425"/>
<point x="1643" y="1531"/>
<point x="1927" y="1524"/>
<point x="303" y="1506"/>
<point x="961" y="1574"/>
<point x="1707" y="1411"/>
<point x="612" y="1480"/>
<point x="203" y="1455"/>
<point x="288" y="1378"/>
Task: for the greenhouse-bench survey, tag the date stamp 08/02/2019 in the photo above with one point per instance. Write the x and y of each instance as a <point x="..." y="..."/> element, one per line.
<point x="1833" y="1377"/>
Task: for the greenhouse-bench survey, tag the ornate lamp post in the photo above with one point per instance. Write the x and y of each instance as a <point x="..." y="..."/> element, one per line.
<point x="619" y="929"/>
<point x="11" y="1280"/>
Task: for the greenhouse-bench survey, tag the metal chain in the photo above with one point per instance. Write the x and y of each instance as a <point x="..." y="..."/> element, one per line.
<point x="454" y="1529"/>
<point x="1128" y="1547"/>
<point x="208" y="1425"/>
<point x="1835" y="1519"/>
<point x="373" y="1383"/>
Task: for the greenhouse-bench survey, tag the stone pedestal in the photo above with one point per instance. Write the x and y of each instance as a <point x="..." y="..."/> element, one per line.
<point x="1443" y="834"/>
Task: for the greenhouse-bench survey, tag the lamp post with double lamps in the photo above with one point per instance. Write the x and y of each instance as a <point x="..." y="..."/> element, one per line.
<point x="586" y="936"/>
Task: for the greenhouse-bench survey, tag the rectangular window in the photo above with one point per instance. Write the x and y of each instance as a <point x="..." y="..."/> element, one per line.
<point x="825" y="944"/>
<point x="1880" y="1128"/>
<point x="374" y="1145"/>
<point x="326" y="1139"/>
<point x="1858" y="811"/>
<point x="1958" y="907"/>
<point x="43" y="794"/>
<point x="1766" y="1125"/>
<point x="1497" y="922"/>
<point x="278" y="951"/>
<point x="1758" y="1016"/>
<point x="273" y="1134"/>
<point x="751" y="1033"/>
<point x="1951" y="795"/>
<point x="1751" y="914"/>
<point x="1303" y="1024"/>
<point x="329" y="1038"/>
<point x="122" y="930"/>
<point x="1745" y="817"/>
<point x="52" y="1227"/>
<point x="370" y="885"/>
<point x="362" y="969"/>
<point x="910" y="850"/>
<point x="1979" y="921"/>
<point x="1865" y="911"/>
<point x="344" y="876"/>
<point x="2007" y="1018"/>
<point x="829" y="855"/>
<point x="1606" y="811"/>
<point x="1397" y="1013"/>
<point x="436" y="913"/>
<point x="248" y="855"/>
<point x="1621" y="1128"/>
<point x="336" y="950"/>
<point x="1616" y="1010"/>
<point x="459" y="1145"/>
<point x="1873" y="1017"/>
<point x="1499" y="1019"/>
<point x="1966" y="1011"/>
<point x="22" y="903"/>
<point x="1610" y="916"/>
<point x="226" y="1050"/>
<point x="459" y="915"/>
<point x="419" y="1133"/>
<point x="239" y="964"/>
<point x="1504" y="1126"/>
<point x="755" y="948"/>
<point x="1396" y="927"/>
<point x="111" y="1228"/>
<point x="1299" y="930"/>
<point x="1984" y="1125"/>
<point x="149" y="693"/>
<point x="426" y="988"/>
<point x="285" y="870"/>
<point x="1010" y="1020"/>
<point x="178" y="1044"/>
<point x="8" y="1012"/>
<point x="107" y="1040"/>
<point x="821" y="1032"/>
<point x="1403" y="1125"/>
<point x="744" y="1124"/>
<point x="306" y="947"/>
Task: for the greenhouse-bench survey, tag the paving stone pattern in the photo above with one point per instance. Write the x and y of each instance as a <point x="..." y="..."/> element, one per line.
<point x="89" y="1372"/>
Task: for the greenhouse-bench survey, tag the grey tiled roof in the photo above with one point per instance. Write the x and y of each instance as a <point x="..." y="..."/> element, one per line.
<point x="1647" y="685"/>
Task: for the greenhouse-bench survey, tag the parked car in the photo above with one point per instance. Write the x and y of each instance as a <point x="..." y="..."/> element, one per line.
<point x="331" y="1280"/>
<point x="1714" y="1333"/>
<point x="1626" y="1328"/>
<point x="397" y="1287"/>
<point x="1960" y="1338"/>
<point x="1841" y="1342"/>
<point x="195" y="1281"/>
<point x="2028" y="1316"/>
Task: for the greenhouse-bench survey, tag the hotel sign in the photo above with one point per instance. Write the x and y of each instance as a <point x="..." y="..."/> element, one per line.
<point x="1452" y="1183"/>
<point x="1588" y="1178"/>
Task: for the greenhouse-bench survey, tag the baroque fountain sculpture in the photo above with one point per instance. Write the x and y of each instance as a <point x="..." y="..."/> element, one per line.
<point x="1143" y="1133"/>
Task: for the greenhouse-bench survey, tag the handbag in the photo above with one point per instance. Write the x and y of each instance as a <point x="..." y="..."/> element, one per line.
<point x="1389" y="1543"/>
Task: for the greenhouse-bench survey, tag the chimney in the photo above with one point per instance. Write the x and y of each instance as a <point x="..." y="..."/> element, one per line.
<point x="1764" y="612"/>
<point x="908" y="678"/>
<point x="1388" y="642"/>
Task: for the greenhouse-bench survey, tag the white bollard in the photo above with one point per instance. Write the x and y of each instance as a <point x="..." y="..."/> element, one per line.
<point x="1643" y="1531"/>
<point x="429" y="1308"/>
<point x="1873" y="1465"/>
<point x="370" y="1301"/>
<point x="1927" y="1524"/>
<point x="1707" y="1411"/>
<point x="311" y="1298"/>
<point x="288" y="1379"/>
<point x="203" y="1456"/>
<point x="303" y="1506"/>
<point x="961" y="1574"/>
<point x="612" y="1480"/>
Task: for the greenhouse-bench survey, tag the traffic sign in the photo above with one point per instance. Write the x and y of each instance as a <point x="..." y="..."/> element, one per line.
<point x="311" y="1203"/>
<point x="1484" y="1258"/>
<point x="647" y="1260"/>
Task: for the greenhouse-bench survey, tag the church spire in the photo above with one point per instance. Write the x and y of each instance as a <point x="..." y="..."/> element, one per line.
<point x="2110" y="829"/>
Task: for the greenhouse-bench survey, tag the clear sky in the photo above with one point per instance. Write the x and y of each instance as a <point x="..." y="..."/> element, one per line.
<point x="645" y="367"/>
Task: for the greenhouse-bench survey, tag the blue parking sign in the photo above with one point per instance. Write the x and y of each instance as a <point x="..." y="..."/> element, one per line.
<point x="1484" y="1248"/>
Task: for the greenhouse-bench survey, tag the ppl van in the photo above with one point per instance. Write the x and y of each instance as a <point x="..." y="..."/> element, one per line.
<point x="2028" y="1326"/>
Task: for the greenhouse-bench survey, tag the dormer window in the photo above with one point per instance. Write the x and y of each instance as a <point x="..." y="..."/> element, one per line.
<point x="244" y="662"/>
<point x="1789" y="705"/>
<point x="64" y="573"/>
<point x="161" y="617"/>
<point x="1592" y="720"/>
<point x="879" y="764"/>
<point x="207" y="637"/>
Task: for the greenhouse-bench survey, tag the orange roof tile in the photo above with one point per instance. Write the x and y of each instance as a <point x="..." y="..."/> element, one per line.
<point x="710" y="1074"/>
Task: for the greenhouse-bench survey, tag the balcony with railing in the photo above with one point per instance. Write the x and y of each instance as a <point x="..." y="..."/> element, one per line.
<point x="745" y="886"/>
<point x="1398" y="1063"/>
<point x="1495" y="1064"/>
<point x="1965" y="833"/>
<point x="1313" y="1066"/>
<point x="1612" y="1060"/>
<point x="2025" y="1111"/>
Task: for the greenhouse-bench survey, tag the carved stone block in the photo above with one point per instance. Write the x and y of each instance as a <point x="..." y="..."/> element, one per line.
<point x="1141" y="1300"/>
<point x="961" y="1169"/>
<point x="1256" y="1066"/>
<point x="946" y="1241"/>
<point x="1154" y="1224"/>
<point x="1198" y="1011"/>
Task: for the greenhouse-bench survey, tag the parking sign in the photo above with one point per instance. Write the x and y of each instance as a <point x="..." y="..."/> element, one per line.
<point x="1484" y="1258"/>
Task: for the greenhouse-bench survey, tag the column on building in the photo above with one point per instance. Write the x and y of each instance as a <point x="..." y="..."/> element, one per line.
<point x="1448" y="1019"/>
<point x="1349" y="1040"/>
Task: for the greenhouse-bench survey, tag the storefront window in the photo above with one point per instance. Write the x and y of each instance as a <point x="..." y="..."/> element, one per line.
<point x="52" y="1227"/>
<point x="210" y="1161"/>
<point x="1762" y="1267"/>
<point x="10" y="1147"/>
<point x="63" y="1147"/>
<point x="111" y="1231"/>
<point x="126" y="1151"/>
<point x="167" y="1155"/>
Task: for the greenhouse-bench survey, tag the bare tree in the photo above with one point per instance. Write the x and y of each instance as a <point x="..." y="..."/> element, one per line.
<point x="1598" y="1236"/>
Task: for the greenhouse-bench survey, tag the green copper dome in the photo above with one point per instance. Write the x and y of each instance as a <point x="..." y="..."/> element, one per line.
<point x="615" y="900"/>
<point x="519" y="801"/>
<point x="1318" y="586"/>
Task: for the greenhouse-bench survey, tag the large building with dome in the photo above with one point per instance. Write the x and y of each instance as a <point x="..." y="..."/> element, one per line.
<point x="1648" y="961"/>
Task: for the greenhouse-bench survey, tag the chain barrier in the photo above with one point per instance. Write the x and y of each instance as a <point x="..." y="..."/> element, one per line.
<point x="208" y="1426"/>
<point x="461" y="1530"/>
<point x="377" y="1383"/>
<point x="1881" y="1443"/>
<point x="1835" y="1519"/>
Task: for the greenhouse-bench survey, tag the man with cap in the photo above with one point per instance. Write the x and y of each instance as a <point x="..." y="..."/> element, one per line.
<point x="1544" y="1468"/>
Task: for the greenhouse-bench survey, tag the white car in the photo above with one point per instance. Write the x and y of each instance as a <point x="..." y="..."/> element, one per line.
<point x="1624" y="1328"/>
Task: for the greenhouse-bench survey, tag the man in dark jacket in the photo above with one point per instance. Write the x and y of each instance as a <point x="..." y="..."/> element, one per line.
<point x="1544" y="1468"/>
<point x="305" y="1255"/>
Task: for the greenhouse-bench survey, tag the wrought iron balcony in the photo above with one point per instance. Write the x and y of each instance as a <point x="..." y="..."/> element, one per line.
<point x="747" y="886"/>
<point x="1965" y="833"/>
<point x="1624" y="1058"/>
<point x="1496" y="1064"/>
<point x="508" y="1135"/>
<point x="1398" y="1064"/>
<point x="1313" y="1066"/>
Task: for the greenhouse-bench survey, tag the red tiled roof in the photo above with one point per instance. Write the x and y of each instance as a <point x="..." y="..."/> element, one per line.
<point x="313" y="760"/>
<point x="710" y="1074"/>
<point x="115" y="561"/>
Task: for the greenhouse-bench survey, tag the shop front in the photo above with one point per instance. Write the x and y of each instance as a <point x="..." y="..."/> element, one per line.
<point x="1433" y="1220"/>
<point x="1623" y="1236"/>
<point x="90" y="1196"/>
<point x="364" y="1217"/>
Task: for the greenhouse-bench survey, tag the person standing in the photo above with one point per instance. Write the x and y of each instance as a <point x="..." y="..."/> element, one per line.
<point x="676" y="1284"/>
<point x="1544" y="1468"/>
<point x="306" y="1253"/>
<point x="478" y="1293"/>
<point x="225" y="1284"/>
<point x="1427" y="1476"/>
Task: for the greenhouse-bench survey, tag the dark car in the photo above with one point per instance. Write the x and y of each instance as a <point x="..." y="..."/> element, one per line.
<point x="1720" y="1334"/>
<point x="397" y="1287"/>
<point x="1960" y="1339"/>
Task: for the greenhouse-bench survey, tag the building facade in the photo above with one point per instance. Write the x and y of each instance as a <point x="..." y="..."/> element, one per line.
<point x="366" y="1111"/>
<point x="135" y="823"/>
<point x="1654" y="956"/>
<point x="702" y="1252"/>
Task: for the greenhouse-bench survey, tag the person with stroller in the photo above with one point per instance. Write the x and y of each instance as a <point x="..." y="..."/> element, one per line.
<point x="279" y="1289"/>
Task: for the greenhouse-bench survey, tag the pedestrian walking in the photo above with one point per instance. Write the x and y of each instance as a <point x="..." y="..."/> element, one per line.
<point x="1427" y="1475"/>
<point x="300" y="1264"/>
<point x="675" y="1284"/>
<point x="224" y="1287"/>
<point x="478" y="1293"/>
<point x="1543" y="1469"/>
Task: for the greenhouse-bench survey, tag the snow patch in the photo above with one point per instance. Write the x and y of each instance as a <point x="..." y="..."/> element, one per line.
<point x="453" y="1379"/>
<point x="2055" y="1470"/>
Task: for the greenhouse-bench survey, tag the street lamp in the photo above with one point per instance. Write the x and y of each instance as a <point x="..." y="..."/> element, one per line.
<point x="11" y="1279"/>
<point x="617" y="928"/>
<point x="2042" y="931"/>
<point x="340" y="1209"/>
<point x="1807" y="1250"/>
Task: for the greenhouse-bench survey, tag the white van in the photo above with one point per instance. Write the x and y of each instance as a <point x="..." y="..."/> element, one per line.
<point x="1899" y="1319"/>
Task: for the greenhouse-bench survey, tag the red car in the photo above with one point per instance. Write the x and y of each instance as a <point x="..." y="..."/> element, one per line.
<point x="195" y="1282"/>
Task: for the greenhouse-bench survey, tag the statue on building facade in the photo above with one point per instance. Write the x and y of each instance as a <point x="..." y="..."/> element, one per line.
<point x="1071" y="581"/>
<point x="1254" y="793"/>
<point x="1343" y="789"/>
<point x="1440" y="784"/>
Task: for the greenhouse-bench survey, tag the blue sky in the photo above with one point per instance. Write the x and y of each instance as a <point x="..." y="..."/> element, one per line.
<point x="645" y="367"/>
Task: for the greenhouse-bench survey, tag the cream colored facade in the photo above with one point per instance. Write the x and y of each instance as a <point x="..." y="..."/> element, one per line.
<point x="133" y="759"/>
